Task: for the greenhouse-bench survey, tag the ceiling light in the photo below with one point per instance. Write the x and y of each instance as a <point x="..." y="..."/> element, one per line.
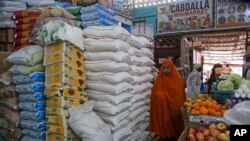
<point x="164" y="1"/>
<point x="149" y="4"/>
<point x="154" y="3"/>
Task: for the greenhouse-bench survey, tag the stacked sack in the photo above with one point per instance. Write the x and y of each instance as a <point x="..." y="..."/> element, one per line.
<point x="76" y="12"/>
<point x="25" y="21"/>
<point x="7" y="8"/>
<point x="65" y="77"/>
<point x="9" y="112"/>
<point x="97" y="15"/>
<point x="29" y="84"/>
<point x="141" y="58"/>
<point x="113" y="79"/>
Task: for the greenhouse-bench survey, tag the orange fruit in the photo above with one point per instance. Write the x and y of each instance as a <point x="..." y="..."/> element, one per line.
<point x="209" y="104"/>
<point x="204" y="111"/>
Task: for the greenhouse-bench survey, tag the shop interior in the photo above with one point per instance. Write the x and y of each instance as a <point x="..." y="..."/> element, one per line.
<point x="226" y="48"/>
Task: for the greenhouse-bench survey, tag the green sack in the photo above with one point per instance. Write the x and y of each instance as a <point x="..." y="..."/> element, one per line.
<point x="74" y="10"/>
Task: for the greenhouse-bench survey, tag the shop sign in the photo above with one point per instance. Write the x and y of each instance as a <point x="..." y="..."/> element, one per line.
<point x="185" y="15"/>
<point x="232" y="13"/>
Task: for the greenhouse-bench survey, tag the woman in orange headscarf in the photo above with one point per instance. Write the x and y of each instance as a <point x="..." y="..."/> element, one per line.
<point x="168" y="96"/>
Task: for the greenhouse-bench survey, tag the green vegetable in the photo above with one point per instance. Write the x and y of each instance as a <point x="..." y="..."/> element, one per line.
<point x="225" y="85"/>
<point x="235" y="79"/>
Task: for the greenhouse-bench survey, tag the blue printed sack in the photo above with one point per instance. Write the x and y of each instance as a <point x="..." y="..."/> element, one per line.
<point x="34" y="134"/>
<point x="33" y="125"/>
<point x="31" y="88"/>
<point x="27" y="138"/>
<point x="32" y="106"/>
<point x="37" y="116"/>
<point x="32" y="97"/>
<point x="31" y="78"/>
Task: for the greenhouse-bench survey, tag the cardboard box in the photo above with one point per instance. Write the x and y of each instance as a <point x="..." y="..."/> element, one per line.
<point x="196" y="120"/>
<point x="62" y="101"/>
<point x="60" y="130"/>
<point x="66" y="47"/>
<point x="64" y="79"/>
<point x="63" y="67"/>
<point x="67" y="90"/>
<point x="55" y="137"/>
<point x="4" y="65"/>
<point x="57" y="120"/>
<point x="62" y="57"/>
<point x="57" y="111"/>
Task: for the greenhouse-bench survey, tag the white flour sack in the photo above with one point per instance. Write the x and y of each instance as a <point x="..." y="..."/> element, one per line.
<point x="29" y="55"/>
<point x="136" y="70"/>
<point x="113" y="120"/>
<point x="109" y="108"/>
<point x="109" y="77"/>
<point x="106" y="65"/>
<point x="87" y="125"/>
<point x="102" y="96"/>
<point x="145" y="41"/>
<point x="109" y="88"/>
<point x="147" y="52"/>
<point x="122" y="124"/>
<point x="120" y="134"/>
<point x="135" y="41"/>
<point x="119" y="56"/>
<point x="134" y="51"/>
<point x="115" y="32"/>
<point x="105" y="45"/>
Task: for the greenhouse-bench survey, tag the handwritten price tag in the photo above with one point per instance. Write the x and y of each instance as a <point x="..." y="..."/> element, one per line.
<point x="194" y="118"/>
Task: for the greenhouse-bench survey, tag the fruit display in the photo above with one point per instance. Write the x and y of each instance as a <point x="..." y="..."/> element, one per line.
<point x="214" y="132"/>
<point x="203" y="104"/>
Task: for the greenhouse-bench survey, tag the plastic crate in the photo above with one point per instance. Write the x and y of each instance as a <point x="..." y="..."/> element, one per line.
<point x="221" y="96"/>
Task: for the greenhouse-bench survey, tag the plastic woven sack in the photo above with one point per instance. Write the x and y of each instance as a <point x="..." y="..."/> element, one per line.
<point x="31" y="78"/>
<point x="97" y="15"/>
<point x="13" y="116"/>
<point x="239" y="114"/>
<point x="8" y="91"/>
<point x="34" y="134"/>
<point x="30" y="88"/>
<point x="32" y="106"/>
<point x="29" y="55"/>
<point x="5" y="79"/>
<point x="55" y="12"/>
<point x="5" y="16"/>
<point x="99" y="22"/>
<point x="37" y="116"/>
<point x="7" y="24"/>
<point x="33" y="125"/>
<point x="24" y="70"/>
<point x="16" y="4"/>
<point x="10" y="103"/>
<point x="25" y="14"/>
<point x="32" y="97"/>
<point x="74" y="10"/>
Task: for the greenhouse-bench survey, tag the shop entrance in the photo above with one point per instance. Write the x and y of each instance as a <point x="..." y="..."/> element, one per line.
<point x="224" y="47"/>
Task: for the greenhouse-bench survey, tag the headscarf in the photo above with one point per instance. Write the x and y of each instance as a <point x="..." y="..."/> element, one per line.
<point x="197" y="66"/>
<point x="168" y="96"/>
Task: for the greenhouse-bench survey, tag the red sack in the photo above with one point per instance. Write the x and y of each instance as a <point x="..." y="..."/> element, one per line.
<point x="24" y="27"/>
<point x="21" y="34"/>
<point x="22" y="41"/>
<point x="25" y="14"/>
<point x="26" y="20"/>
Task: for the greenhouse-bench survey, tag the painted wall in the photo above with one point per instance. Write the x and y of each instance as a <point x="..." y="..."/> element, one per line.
<point x="146" y="14"/>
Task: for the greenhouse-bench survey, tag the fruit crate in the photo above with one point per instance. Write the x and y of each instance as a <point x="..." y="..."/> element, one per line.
<point x="224" y="129"/>
<point x="221" y="96"/>
<point x="196" y="120"/>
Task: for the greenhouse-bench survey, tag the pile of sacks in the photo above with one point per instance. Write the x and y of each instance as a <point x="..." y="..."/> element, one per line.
<point x="76" y="12"/>
<point x="9" y="111"/>
<point x="97" y="15"/>
<point x="119" y="81"/>
<point x="65" y="77"/>
<point x="7" y="8"/>
<point x="25" y="21"/>
<point x="29" y="84"/>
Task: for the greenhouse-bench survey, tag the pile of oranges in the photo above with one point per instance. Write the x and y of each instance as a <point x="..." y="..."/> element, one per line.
<point x="207" y="108"/>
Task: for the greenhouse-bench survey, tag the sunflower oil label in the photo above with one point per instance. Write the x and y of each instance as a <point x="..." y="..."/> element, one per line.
<point x="66" y="47"/>
<point x="62" y="57"/>
<point x="57" y="111"/>
<point x="65" y="101"/>
<point x="57" y="120"/>
<point x="62" y="67"/>
<point x="66" y="79"/>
